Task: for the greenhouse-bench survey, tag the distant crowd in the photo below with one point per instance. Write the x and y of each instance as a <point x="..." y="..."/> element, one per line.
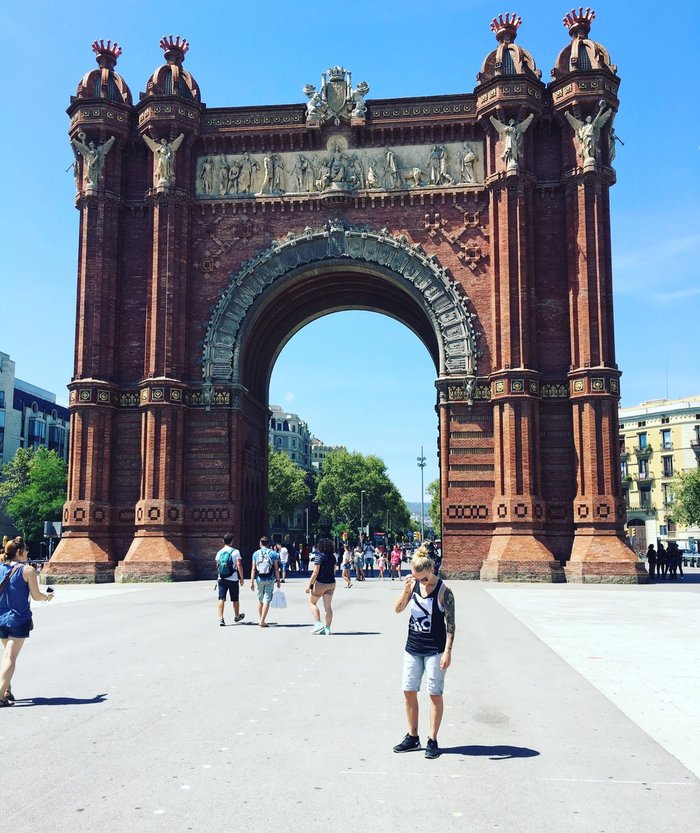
<point x="665" y="562"/>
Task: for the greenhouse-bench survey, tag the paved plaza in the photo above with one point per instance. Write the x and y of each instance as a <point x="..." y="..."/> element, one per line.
<point x="568" y="708"/>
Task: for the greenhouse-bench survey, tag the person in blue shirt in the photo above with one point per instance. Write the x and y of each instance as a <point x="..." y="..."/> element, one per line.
<point x="265" y="572"/>
<point x="18" y="581"/>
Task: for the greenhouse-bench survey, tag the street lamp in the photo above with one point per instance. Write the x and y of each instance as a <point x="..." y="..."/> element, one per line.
<point x="307" y="524"/>
<point x="421" y="466"/>
<point x="362" y="511"/>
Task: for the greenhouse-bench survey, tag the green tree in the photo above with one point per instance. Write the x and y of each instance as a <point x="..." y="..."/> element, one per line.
<point x="344" y="476"/>
<point x="434" y="508"/>
<point x="33" y="490"/>
<point x="686" y="505"/>
<point x="287" y="485"/>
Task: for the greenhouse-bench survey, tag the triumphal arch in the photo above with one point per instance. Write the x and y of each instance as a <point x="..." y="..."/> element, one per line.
<point x="209" y="236"/>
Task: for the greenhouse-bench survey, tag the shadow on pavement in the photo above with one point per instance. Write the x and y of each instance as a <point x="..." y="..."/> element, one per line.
<point x="61" y="701"/>
<point x="356" y="633"/>
<point x="495" y="753"/>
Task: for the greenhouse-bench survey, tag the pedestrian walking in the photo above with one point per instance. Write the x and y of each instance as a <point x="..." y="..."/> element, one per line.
<point x="395" y="563"/>
<point x="347" y="564"/>
<point x="265" y="572"/>
<point x="18" y="581"/>
<point x="322" y="586"/>
<point x="368" y="553"/>
<point x="229" y="567"/>
<point x="305" y="559"/>
<point x="661" y="561"/>
<point x="431" y="630"/>
<point x="651" y="560"/>
<point x="381" y="565"/>
<point x="359" y="561"/>
<point x="284" y="561"/>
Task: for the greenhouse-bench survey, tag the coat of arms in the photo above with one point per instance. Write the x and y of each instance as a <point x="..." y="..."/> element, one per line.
<point x="336" y="99"/>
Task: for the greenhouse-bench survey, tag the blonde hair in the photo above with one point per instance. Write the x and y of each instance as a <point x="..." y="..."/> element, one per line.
<point x="421" y="561"/>
<point x="13" y="547"/>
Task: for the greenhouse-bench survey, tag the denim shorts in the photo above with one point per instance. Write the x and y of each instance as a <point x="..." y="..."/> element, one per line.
<point x="414" y="665"/>
<point x="16" y="631"/>
<point x="266" y="587"/>
<point x="228" y="587"/>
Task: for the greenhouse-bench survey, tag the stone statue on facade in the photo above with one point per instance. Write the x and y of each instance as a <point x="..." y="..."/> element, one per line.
<point x="164" y="156"/>
<point x="512" y="138"/>
<point x="93" y="159"/>
<point x="359" y="106"/>
<point x="587" y="133"/>
<point x="415" y="177"/>
<point x="373" y="180"/>
<point x="466" y="164"/>
<point x="336" y="99"/>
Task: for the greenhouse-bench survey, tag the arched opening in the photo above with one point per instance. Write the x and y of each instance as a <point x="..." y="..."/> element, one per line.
<point x="321" y="378"/>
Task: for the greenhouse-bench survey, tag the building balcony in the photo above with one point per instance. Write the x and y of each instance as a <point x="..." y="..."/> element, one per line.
<point x="644" y="478"/>
<point x="624" y="453"/>
<point x="695" y="445"/>
<point x="643" y="452"/>
<point x="641" y="513"/>
<point x="626" y="481"/>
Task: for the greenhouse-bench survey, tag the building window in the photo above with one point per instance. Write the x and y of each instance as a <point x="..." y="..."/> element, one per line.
<point x="643" y="469"/>
<point x="665" y="420"/>
<point x="57" y="439"/>
<point x="279" y="440"/>
<point x="642" y="436"/>
<point x="294" y="456"/>
<point x="2" y="433"/>
<point x="285" y="426"/>
<point x="294" y="443"/>
<point x="667" y="462"/>
<point x="2" y="398"/>
<point x="641" y="424"/>
<point x="645" y="497"/>
<point x="666" y="438"/>
<point x="623" y="468"/>
<point x="667" y="491"/>
<point x="622" y="445"/>
<point x="36" y="432"/>
<point x="663" y="529"/>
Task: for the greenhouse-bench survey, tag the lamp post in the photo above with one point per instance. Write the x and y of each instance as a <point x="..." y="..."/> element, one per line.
<point x="307" y="524"/>
<point x="362" y="511"/>
<point x="421" y="466"/>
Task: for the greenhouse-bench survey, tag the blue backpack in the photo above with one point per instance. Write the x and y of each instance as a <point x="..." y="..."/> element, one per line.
<point x="226" y="569"/>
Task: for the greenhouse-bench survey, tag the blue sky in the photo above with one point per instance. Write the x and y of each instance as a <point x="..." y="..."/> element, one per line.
<point x="374" y="391"/>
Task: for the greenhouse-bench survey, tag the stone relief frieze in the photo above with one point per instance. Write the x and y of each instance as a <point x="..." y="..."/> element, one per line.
<point x="441" y="297"/>
<point x="229" y="176"/>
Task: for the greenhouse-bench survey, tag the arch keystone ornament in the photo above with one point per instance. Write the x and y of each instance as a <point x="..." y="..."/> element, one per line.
<point x="473" y="219"/>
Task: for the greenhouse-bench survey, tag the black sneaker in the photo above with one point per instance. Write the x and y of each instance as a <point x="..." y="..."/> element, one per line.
<point x="409" y="743"/>
<point x="431" y="749"/>
<point x="239" y="617"/>
<point x="222" y="624"/>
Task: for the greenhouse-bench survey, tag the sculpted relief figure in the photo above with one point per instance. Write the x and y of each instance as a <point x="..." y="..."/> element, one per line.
<point x="206" y="175"/>
<point x="373" y="179"/>
<point x="93" y="159"/>
<point x="437" y="166"/>
<point x="587" y="133"/>
<point x="248" y="169"/>
<point x="466" y="164"/>
<point x="303" y="174"/>
<point x="393" y="170"/>
<point x="164" y="156"/>
<point x="512" y="137"/>
<point x="414" y="177"/>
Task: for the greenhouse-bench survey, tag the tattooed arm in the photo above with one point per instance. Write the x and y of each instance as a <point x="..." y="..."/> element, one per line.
<point x="448" y="603"/>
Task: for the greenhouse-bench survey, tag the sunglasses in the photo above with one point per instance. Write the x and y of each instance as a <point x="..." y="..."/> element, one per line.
<point x="424" y="580"/>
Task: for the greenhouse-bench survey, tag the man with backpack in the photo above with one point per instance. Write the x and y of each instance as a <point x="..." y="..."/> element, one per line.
<point x="266" y="571"/>
<point x="229" y="567"/>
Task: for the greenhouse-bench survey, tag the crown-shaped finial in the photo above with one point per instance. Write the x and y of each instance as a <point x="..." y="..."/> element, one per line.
<point x="174" y="48"/>
<point x="506" y="26"/>
<point x="579" y="23"/>
<point x="107" y="53"/>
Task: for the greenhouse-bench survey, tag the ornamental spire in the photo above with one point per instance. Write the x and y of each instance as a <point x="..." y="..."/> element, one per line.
<point x="107" y="53"/>
<point x="175" y="49"/>
<point x="505" y="27"/>
<point x="579" y="23"/>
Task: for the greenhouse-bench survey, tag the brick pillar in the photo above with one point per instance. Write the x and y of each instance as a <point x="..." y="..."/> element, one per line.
<point x="157" y="552"/>
<point x="518" y="549"/>
<point x="85" y="552"/>
<point x="599" y="551"/>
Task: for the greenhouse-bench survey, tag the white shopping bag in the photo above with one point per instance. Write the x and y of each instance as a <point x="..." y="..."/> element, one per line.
<point x="279" y="600"/>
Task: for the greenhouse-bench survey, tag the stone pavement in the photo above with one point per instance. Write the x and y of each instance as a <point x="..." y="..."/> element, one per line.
<point x="568" y="708"/>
